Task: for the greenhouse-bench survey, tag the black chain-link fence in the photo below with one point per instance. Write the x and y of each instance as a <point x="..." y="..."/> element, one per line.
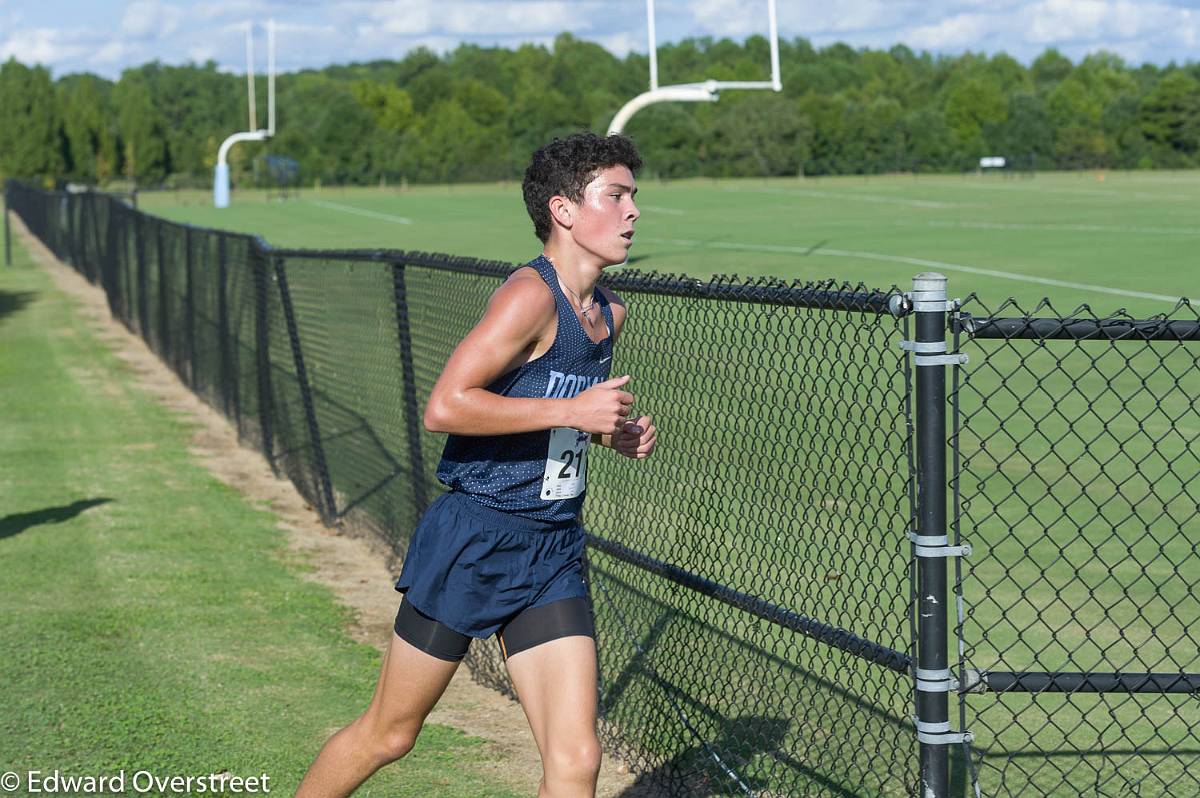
<point x="1078" y="440"/>
<point x="755" y="582"/>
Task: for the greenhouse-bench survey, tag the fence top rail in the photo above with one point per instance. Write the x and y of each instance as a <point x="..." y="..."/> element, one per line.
<point x="761" y="290"/>
<point x="823" y="295"/>
<point x="1042" y="329"/>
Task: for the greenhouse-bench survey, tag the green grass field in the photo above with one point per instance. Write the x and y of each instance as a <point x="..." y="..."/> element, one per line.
<point x="1079" y="556"/>
<point x="153" y="618"/>
<point x="1118" y="239"/>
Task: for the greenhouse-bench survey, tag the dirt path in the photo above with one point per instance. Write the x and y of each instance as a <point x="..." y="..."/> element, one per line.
<point x="356" y="569"/>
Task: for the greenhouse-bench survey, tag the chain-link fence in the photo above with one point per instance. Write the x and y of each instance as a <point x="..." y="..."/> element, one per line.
<point x="1077" y="438"/>
<point x="771" y="587"/>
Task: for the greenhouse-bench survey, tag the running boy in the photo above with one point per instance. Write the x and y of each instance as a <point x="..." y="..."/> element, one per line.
<point x="521" y="397"/>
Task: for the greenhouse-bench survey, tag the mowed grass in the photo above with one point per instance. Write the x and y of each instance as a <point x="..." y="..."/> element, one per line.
<point x="1120" y="233"/>
<point x="1079" y="474"/>
<point x="153" y="619"/>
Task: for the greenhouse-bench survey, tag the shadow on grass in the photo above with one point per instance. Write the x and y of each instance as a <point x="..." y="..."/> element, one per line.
<point x="740" y="740"/>
<point x="17" y="523"/>
<point x="15" y="301"/>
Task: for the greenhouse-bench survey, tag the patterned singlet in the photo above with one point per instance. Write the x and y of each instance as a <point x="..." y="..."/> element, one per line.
<point x="543" y="474"/>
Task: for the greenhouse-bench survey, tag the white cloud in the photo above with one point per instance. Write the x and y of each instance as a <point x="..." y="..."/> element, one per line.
<point x="151" y="19"/>
<point x="731" y="18"/>
<point x="113" y="53"/>
<point x="513" y="18"/>
<point x="1055" y="20"/>
<point x="465" y="18"/>
<point x="201" y="53"/>
<point x="393" y="18"/>
<point x="960" y="32"/>
<point x="312" y="33"/>
<point x="815" y="17"/>
<point x="1052" y="21"/>
<point x="229" y="9"/>
<point x="623" y="42"/>
<point x="46" y="46"/>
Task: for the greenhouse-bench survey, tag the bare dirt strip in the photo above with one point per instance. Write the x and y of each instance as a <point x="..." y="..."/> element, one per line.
<point x="355" y="568"/>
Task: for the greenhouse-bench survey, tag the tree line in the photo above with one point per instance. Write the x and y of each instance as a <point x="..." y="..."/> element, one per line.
<point x="476" y="113"/>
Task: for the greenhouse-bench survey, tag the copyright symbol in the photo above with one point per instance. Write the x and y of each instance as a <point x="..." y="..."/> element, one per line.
<point x="10" y="781"/>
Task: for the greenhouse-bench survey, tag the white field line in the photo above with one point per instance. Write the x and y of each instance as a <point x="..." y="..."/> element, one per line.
<point x="851" y="197"/>
<point x="1084" y="228"/>
<point x="661" y="209"/>
<point x="929" y="264"/>
<point x="1081" y="192"/>
<point x="337" y="206"/>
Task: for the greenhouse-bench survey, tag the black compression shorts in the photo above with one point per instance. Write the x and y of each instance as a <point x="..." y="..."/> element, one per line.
<point x="531" y="627"/>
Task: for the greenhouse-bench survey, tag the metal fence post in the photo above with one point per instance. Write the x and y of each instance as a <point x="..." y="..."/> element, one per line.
<point x="412" y="422"/>
<point x="143" y="313"/>
<point x="223" y="341"/>
<point x="189" y="310"/>
<point x="7" y="231"/>
<point x="325" y="503"/>
<point x="262" y="352"/>
<point x="934" y="682"/>
<point x="164" y="343"/>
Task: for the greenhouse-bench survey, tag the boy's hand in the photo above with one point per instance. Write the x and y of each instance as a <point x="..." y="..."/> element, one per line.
<point x="603" y="407"/>
<point x="635" y="439"/>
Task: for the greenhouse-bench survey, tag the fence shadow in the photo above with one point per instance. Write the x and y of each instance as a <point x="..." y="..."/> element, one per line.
<point x="12" y="302"/>
<point x="16" y="523"/>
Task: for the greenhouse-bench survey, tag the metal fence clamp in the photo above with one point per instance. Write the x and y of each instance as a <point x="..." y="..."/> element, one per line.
<point x="931" y="302"/>
<point x="937" y="546"/>
<point x="932" y="353"/>
<point x="940" y="733"/>
<point x="935" y="680"/>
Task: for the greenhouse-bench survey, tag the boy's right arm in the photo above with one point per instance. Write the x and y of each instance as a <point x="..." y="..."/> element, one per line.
<point x="515" y="318"/>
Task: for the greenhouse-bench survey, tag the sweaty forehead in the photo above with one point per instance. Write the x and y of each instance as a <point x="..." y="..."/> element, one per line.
<point x="611" y="175"/>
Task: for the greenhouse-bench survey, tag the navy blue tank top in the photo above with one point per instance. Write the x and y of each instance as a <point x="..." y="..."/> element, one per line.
<point x="543" y="474"/>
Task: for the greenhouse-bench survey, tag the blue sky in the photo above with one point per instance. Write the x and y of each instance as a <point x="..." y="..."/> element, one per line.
<point x="105" y="36"/>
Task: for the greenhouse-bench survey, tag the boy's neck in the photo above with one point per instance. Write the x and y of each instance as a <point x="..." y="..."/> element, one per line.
<point x="576" y="270"/>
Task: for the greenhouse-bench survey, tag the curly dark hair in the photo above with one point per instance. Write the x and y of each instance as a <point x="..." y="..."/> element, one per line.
<point x="565" y="166"/>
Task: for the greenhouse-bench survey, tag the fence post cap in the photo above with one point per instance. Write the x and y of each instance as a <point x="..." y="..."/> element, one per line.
<point x="929" y="281"/>
<point x="928" y="287"/>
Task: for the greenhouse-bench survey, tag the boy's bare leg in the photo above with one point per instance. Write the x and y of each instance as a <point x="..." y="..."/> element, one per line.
<point x="410" y="684"/>
<point x="557" y="684"/>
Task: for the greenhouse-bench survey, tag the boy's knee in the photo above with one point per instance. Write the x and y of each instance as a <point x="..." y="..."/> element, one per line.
<point x="387" y="743"/>
<point x="396" y="744"/>
<point x="576" y="762"/>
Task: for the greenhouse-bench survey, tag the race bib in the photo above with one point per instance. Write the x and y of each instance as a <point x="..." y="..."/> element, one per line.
<point x="566" y="464"/>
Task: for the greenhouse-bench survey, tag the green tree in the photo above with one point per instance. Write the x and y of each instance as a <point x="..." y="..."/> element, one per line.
<point x="142" y="130"/>
<point x="970" y="106"/>
<point x="1049" y="68"/>
<point x="90" y="131"/>
<point x="31" y="142"/>
<point x="1170" y="115"/>
<point x="1027" y="135"/>
<point x="762" y="135"/>
<point x="1075" y="112"/>
<point x="390" y="107"/>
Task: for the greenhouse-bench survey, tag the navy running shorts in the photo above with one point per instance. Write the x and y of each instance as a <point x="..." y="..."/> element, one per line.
<point x="474" y="568"/>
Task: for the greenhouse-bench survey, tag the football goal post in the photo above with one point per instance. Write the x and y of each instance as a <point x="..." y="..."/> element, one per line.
<point x="705" y="91"/>
<point x="254" y="132"/>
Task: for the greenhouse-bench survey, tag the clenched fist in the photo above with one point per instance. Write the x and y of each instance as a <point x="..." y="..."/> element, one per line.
<point x="636" y="438"/>
<point x="603" y="407"/>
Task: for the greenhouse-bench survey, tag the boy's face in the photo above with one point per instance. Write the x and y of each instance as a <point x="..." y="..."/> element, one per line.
<point x="603" y="218"/>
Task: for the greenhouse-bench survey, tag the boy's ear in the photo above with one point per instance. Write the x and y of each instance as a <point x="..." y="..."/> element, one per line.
<point x="561" y="211"/>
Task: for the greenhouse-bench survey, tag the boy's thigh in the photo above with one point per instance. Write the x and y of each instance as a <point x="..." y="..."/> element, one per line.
<point x="535" y="626"/>
<point x="410" y="683"/>
<point x="556" y="682"/>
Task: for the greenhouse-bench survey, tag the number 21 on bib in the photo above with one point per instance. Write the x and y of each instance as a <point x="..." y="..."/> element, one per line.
<point x="566" y="464"/>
